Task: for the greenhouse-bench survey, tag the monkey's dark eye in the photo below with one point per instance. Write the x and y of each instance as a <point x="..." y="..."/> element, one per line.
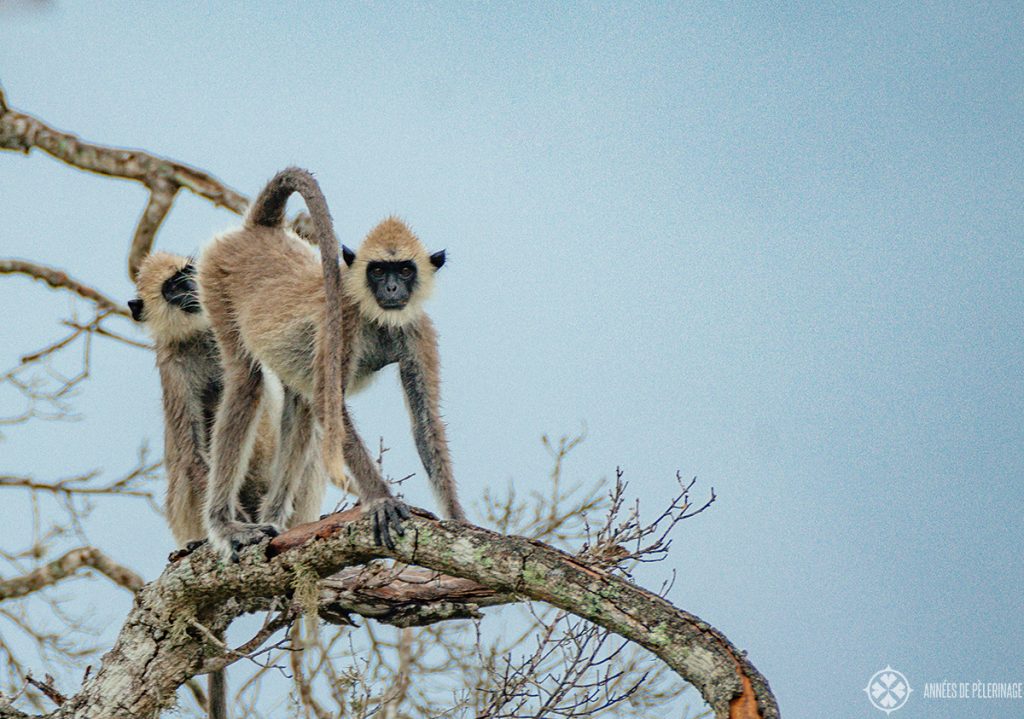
<point x="405" y="273"/>
<point x="377" y="272"/>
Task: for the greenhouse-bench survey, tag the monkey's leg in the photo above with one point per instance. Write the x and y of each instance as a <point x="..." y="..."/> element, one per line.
<point x="374" y="495"/>
<point x="295" y="455"/>
<point x="184" y="463"/>
<point x="421" y="382"/>
<point x="309" y="494"/>
<point x="234" y="434"/>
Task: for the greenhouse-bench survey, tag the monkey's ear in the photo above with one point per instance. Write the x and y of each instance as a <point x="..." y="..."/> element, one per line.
<point x="437" y="259"/>
<point x="348" y="255"/>
<point x="136" y="307"/>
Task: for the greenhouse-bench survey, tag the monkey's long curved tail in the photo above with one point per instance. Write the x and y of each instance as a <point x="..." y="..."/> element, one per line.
<point x="268" y="211"/>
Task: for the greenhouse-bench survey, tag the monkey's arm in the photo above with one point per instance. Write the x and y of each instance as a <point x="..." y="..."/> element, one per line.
<point x="419" y="369"/>
<point x="374" y="494"/>
<point x="184" y="462"/>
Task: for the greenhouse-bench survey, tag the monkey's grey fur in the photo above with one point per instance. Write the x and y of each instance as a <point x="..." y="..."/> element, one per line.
<point x="188" y="361"/>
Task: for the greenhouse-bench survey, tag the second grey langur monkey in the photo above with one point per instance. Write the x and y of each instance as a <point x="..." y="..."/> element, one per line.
<point x="273" y="305"/>
<point x="191" y="381"/>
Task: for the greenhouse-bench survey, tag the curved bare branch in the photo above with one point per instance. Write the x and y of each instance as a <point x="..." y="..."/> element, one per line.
<point x="20" y="132"/>
<point x="160" y="200"/>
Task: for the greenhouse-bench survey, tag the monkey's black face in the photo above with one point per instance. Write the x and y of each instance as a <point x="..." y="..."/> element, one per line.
<point x="392" y="283"/>
<point x="180" y="290"/>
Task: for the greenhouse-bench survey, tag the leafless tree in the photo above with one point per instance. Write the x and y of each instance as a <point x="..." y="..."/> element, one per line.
<point x="347" y="628"/>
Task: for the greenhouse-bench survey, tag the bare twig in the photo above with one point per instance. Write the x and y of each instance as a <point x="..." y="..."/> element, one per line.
<point x="47" y="688"/>
<point x="72" y="486"/>
<point x="58" y="279"/>
<point x="398" y="692"/>
<point x="251" y="648"/>
<point x="302" y="682"/>
<point x="67" y="565"/>
<point x="197" y="691"/>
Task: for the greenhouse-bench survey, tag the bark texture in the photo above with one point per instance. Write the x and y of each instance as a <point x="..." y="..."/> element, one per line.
<point x="170" y="634"/>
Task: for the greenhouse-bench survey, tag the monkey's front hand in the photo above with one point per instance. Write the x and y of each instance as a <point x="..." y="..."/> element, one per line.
<point x="236" y="536"/>
<point x="388" y="514"/>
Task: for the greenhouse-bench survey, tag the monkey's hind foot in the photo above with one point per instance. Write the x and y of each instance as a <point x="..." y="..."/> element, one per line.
<point x="388" y="514"/>
<point x="238" y="535"/>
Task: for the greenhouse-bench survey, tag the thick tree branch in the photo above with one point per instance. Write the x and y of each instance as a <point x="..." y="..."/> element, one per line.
<point x="20" y="132"/>
<point x="405" y="596"/>
<point x="65" y="566"/>
<point x="158" y="648"/>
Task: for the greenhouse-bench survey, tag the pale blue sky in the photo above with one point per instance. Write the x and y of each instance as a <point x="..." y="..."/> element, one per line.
<point x="780" y="249"/>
